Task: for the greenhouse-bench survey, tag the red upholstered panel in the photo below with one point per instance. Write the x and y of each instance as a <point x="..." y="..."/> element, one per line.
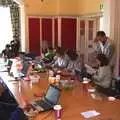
<point x="47" y="30"/>
<point x="34" y="35"/>
<point x="68" y="33"/>
<point x="56" y="31"/>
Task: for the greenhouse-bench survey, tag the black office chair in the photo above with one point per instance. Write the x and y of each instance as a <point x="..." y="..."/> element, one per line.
<point x="31" y="55"/>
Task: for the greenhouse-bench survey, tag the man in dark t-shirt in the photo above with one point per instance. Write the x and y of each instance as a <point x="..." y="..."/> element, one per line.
<point x="7" y="52"/>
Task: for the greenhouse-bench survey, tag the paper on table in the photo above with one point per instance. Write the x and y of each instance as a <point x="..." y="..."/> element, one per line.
<point x="90" y="114"/>
<point x="91" y="90"/>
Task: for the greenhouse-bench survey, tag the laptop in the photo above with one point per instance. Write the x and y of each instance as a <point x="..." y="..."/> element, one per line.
<point x="9" y="65"/>
<point x="23" y="72"/>
<point x="25" y="68"/>
<point x="49" y="100"/>
<point x="6" y="68"/>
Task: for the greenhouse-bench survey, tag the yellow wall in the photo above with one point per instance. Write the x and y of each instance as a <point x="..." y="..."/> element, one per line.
<point x="62" y="7"/>
<point x="68" y="7"/>
<point x="36" y="7"/>
<point x="89" y="6"/>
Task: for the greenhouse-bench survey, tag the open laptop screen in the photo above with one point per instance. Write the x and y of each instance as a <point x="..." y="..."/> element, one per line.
<point x="53" y="94"/>
<point x="9" y="65"/>
<point x="25" y="68"/>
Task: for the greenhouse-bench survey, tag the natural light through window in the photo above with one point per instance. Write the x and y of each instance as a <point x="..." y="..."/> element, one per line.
<point x="101" y="23"/>
<point x="6" y="34"/>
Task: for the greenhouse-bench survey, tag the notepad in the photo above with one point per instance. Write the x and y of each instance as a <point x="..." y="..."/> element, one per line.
<point x="90" y="114"/>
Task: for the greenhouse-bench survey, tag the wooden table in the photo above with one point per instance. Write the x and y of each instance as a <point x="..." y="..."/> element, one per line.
<point x="73" y="101"/>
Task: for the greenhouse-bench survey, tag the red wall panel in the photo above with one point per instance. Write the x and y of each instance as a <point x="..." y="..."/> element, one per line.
<point x="68" y="33"/>
<point x="56" y="31"/>
<point x="47" y="30"/>
<point x="34" y="35"/>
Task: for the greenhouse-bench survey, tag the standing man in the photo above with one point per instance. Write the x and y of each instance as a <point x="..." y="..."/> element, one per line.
<point x="104" y="46"/>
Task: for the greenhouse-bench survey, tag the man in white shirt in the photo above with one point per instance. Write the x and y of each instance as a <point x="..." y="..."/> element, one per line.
<point x="61" y="60"/>
<point x="104" y="46"/>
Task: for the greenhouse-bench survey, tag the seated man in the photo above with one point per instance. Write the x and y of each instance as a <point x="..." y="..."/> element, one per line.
<point x="74" y="62"/>
<point x="61" y="61"/>
<point x="55" y="56"/>
<point x="15" y="46"/>
<point x="103" y="77"/>
<point x="7" y="51"/>
<point x="49" y="55"/>
<point x="81" y="69"/>
<point x="21" y="56"/>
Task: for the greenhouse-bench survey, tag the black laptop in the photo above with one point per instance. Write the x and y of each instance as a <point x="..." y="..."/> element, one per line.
<point x="49" y="100"/>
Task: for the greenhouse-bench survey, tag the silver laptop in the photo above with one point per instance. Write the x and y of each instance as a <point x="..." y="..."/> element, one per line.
<point x="49" y="100"/>
<point x="6" y="68"/>
<point x="23" y="71"/>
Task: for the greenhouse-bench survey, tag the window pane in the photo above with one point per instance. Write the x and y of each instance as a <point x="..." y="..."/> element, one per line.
<point x="6" y="34"/>
<point x="82" y="28"/>
<point x="90" y="34"/>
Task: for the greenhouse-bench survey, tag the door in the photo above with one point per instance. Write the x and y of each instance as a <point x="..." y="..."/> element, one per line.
<point x="34" y="35"/>
<point x="46" y="32"/>
<point x="68" y="33"/>
<point x="87" y="31"/>
<point x="90" y="41"/>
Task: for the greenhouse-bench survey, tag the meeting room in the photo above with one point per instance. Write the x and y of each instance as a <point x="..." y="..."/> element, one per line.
<point x="59" y="60"/>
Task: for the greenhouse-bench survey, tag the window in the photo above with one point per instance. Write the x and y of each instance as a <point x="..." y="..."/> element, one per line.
<point x="6" y="34"/>
<point x="101" y="23"/>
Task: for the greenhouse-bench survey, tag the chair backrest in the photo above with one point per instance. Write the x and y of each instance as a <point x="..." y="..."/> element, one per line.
<point x="31" y="55"/>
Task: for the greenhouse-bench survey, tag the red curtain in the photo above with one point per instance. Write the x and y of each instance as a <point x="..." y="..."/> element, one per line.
<point x="47" y="30"/>
<point x="68" y="33"/>
<point x="34" y="35"/>
<point x="56" y="31"/>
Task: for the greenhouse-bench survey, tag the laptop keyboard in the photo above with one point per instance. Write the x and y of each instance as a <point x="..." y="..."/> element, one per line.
<point x="43" y="104"/>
